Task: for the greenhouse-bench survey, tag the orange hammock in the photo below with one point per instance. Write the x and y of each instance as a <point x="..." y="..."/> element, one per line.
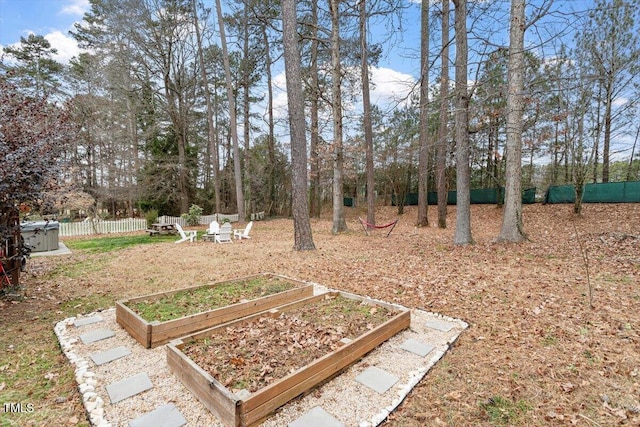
<point x="366" y="226"/>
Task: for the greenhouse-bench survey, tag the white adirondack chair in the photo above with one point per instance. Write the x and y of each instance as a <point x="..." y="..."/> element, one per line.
<point x="189" y="235"/>
<point x="243" y="233"/>
<point x="214" y="228"/>
<point x="224" y="236"/>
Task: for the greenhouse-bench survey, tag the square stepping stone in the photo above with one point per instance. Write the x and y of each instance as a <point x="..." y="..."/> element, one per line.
<point x="377" y="379"/>
<point x="439" y="325"/>
<point x="417" y="347"/>
<point x="128" y="387"/>
<point x="316" y="417"/>
<point x="97" y="335"/>
<point x="163" y="416"/>
<point x="83" y="321"/>
<point x="102" y="357"/>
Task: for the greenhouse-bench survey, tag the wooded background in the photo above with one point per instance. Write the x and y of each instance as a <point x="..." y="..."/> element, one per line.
<point x="173" y="100"/>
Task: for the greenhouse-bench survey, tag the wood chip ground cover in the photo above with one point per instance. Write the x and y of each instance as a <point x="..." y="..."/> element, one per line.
<point x="193" y="301"/>
<point x="258" y="352"/>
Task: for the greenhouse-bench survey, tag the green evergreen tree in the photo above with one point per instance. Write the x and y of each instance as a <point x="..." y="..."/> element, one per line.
<point x="36" y="72"/>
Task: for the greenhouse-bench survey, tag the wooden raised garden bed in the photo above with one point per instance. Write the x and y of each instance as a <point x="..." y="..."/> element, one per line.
<point x="243" y="370"/>
<point x="158" y="318"/>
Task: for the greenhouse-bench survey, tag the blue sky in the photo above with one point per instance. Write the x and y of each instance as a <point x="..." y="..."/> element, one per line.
<point x="54" y="18"/>
<point x="51" y="18"/>
<point x="392" y="79"/>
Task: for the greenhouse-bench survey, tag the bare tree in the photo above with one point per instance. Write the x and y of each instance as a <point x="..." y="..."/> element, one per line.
<point x="211" y="128"/>
<point x="366" y="108"/>
<point x="233" y="125"/>
<point x="443" y="126"/>
<point x="423" y="153"/>
<point x="339" y="222"/>
<point x="172" y="51"/>
<point x="314" y="167"/>
<point x="303" y="239"/>
<point x="512" y="227"/>
<point x="611" y="45"/>
<point x="271" y="180"/>
<point x="463" y="174"/>
<point x="633" y="152"/>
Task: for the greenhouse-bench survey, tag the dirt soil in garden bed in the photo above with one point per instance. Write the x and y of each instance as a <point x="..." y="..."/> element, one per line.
<point x="554" y="336"/>
<point x="257" y="353"/>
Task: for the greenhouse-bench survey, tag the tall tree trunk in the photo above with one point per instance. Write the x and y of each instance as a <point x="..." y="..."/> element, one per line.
<point x="596" y="142"/>
<point x="303" y="239"/>
<point x="134" y="157"/>
<point x="314" y="167"/>
<point x="512" y="227"/>
<point x="579" y="167"/>
<point x="423" y="154"/>
<point x="271" y="141"/>
<point x="173" y="105"/>
<point x="531" y="166"/>
<point x="556" y="153"/>
<point x="246" y="102"/>
<point x="567" y="170"/>
<point x="183" y="119"/>
<point x="463" y="174"/>
<point x="339" y="222"/>
<point x="366" y="108"/>
<point x="211" y="129"/>
<point x="607" y="132"/>
<point x="633" y="151"/>
<point x="233" y="123"/>
<point x="443" y="128"/>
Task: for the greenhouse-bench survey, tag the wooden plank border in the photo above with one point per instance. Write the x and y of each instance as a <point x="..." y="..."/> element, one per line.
<point x="153" y="334"/>
<point x="137" y="327"/>
<point x="213" y="395"/>
<point x="256" y="407"/>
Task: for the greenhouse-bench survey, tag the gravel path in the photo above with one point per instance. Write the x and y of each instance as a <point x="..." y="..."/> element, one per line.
<point x="347" y="400"/>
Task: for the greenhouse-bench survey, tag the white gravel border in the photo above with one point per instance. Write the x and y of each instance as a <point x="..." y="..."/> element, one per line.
<point x="344" y="398"/>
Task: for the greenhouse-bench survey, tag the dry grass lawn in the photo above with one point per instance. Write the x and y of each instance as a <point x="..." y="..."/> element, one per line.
<point x="536" y="353"/>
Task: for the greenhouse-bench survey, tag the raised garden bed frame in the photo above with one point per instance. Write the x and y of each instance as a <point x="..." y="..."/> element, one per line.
<point x="236" y="411"/>
<point x="153" y="334"/>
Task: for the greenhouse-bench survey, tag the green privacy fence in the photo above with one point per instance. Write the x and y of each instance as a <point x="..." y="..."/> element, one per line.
<point x="605" y="192"/>
<point x="609" y="192"/>
<point x="477" y="196"/>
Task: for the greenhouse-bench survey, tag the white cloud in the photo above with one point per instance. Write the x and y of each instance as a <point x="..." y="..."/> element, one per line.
<point x="66" y="45"/>
<point x="619" y="102"/>
<point x="390" y="86"/>
<point x="388" y="89"/>
<point x="280" y="101"/>
<point x="280" y="104"/>
<point x="280" y="80"/>
<point x="75" y="7"/>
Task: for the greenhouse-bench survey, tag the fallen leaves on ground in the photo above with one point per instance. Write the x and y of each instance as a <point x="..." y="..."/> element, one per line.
<point x="554" y="321"/>
<point x="254" y="354"/>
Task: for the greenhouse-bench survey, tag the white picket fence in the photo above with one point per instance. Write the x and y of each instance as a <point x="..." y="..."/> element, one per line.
<point x="204" y="219"/>
<point x="87" y="228"/>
